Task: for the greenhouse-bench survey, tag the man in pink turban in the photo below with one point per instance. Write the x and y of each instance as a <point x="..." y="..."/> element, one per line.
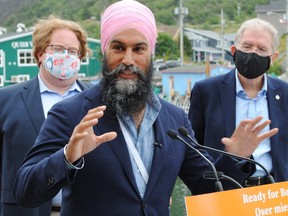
<point x="107" y="147"/>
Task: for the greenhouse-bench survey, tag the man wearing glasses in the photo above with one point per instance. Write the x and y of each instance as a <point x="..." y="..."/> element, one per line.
<point x="58" y="47"/>
<point x="220" y="103"/>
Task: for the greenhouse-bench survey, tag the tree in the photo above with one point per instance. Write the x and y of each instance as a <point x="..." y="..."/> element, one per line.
<point x="166" y="47"/>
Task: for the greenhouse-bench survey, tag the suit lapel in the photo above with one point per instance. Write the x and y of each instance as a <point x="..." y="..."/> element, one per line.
<point x="118" y="146"/>
<point x="159" y="155"/>
<point x="31" y="98"/>
<point x="228" y="101"/>
<point x="274" y="98"/>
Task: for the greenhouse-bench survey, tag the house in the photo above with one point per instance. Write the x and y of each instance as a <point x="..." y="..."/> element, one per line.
<point x="209" y="45"/>
<point x="178" y="81"/>
<point x="274" y="13"/>
<point x="17" y="63"/>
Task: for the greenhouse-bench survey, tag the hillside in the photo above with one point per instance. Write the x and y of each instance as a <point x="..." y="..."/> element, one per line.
<point x="8" y="7"/>
<point x="204" y="14"/>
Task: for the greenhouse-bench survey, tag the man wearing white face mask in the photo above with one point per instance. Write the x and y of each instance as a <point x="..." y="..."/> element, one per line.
<point x="58" y="47"/>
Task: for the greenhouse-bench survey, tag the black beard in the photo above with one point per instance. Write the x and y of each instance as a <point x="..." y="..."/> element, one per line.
<point x="125" y="96"/>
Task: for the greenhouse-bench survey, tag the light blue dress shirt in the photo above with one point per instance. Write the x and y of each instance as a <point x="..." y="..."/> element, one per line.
<point x="49" y="98"/>
<point x="249" y="108"/>
<point x="143" y="139"/>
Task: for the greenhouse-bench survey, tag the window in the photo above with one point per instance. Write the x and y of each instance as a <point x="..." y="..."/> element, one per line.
<point x="1" y="59"/>
<point x="25" y="58"/>
<point x="1" y="80"/>
<point x="20" y="78"/>
<point x="85" y="61"/>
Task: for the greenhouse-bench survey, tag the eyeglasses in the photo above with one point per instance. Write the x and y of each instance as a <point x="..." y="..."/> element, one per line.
<point x="262" y="51"/>
<point x="58" y="49"/>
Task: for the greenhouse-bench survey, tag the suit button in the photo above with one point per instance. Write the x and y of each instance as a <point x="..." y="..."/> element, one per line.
<point x="51" y="181"/>
<point x="144" y="205"/>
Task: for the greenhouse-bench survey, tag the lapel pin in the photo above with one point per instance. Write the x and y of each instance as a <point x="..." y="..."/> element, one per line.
<point x="277" y="97"/>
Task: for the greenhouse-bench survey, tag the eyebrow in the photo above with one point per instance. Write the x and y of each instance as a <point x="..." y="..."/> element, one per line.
<point x="121" y="43"/>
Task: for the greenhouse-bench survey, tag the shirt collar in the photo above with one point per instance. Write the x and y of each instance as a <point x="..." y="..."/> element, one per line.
<point x="241" y="91"/>
<point x="44" y="88"/>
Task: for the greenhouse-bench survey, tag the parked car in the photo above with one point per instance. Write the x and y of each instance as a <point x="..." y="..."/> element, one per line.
<point x="172" y="63"/>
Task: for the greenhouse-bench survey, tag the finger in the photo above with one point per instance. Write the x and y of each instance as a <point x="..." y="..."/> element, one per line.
<point x="226" y="141"/>
<point x="106" y="137"/>
<point x="85" y="125"/>
<point x="78" y="137"/>
<point x="249" y="124"/>
<point x="261" y="126"/>
<point x="268" y="134"/>
<point x="97" y="112"/>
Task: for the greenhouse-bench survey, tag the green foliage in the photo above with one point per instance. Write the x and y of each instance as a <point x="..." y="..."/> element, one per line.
<point x="275" y="68"/>
<point x="166" y="47"/>
<point x="201" y="12"/>
<point x="188" y="50"/>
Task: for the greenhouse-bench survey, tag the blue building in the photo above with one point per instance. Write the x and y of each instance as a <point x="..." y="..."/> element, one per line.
<point x="178" y="81"/>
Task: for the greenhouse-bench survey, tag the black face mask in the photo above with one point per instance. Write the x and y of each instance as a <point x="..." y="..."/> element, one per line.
<point x="251" y="65"/>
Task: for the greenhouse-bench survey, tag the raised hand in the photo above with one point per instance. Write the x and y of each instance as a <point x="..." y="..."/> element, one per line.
<point x="83" y="139"/>
<point x="247" y="137"/>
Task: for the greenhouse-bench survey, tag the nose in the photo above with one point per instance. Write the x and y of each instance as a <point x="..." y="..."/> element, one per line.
<point x="128" y="58"/>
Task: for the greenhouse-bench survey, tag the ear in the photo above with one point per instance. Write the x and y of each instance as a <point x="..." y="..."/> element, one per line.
<point x="39" y="55"/>
<point x="274" y="56"/>
<point x="233" y="49"/>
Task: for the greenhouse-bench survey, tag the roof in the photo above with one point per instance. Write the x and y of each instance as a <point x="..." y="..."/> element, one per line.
<point x="207" y="49"/>
<point x="205" y="33"/>
<point x="194" y="69"/>
<point x="14" y="35"/>
<point x="278" y="5"/>
<point x="185" y="69"/>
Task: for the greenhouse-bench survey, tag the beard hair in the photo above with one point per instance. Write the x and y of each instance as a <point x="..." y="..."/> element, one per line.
<point x="125" y="96"/>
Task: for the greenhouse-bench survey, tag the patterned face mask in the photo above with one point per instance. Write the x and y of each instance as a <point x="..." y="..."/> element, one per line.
<point x="62" y="66"/>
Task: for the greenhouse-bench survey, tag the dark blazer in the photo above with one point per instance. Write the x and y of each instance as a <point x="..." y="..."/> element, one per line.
<point x="106" y="184"/>
<point x="21" y="117"/>
<point x="212" y="114"/>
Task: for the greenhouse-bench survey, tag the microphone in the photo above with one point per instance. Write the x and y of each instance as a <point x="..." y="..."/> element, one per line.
<point x="184" y="132"/>
<point x="174" y="135"/>
<point x="156" y="144"/>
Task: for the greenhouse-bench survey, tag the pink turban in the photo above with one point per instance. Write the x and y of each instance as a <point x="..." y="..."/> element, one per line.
<point x="124" y="15"/>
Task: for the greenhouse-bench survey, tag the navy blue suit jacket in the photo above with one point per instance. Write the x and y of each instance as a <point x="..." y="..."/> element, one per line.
<point x="106" y="184"/>
<point x="213" y="109"/>
<point x="21" y="117"/>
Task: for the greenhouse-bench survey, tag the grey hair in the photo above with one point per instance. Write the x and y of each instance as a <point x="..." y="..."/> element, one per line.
<point x="258" y="24"/>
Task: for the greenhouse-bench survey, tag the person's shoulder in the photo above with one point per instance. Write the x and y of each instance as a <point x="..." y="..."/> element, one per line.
<point x="275" y="82"/>
<point x="84" y="84"/>
<point x="13" y="88"/>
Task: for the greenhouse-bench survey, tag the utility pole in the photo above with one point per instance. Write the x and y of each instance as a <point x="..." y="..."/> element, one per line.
<point x="181" y="17"/>
<point x="222" y="33"/>
<point x="181" y="11"/>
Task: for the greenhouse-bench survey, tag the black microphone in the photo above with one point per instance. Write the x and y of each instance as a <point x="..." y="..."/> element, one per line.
<point x="184" y="132"/>
<point x="156" y="144"/>
<point x="174" y="135"/>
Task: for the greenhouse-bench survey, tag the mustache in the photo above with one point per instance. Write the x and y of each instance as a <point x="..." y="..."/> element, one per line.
<point x="122" y="67"/>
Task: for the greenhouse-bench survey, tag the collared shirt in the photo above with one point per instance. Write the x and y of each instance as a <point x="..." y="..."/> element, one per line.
<point x="249" y="108"/>
<point x="143" y="139"/>
<point x="49" y="98"/>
